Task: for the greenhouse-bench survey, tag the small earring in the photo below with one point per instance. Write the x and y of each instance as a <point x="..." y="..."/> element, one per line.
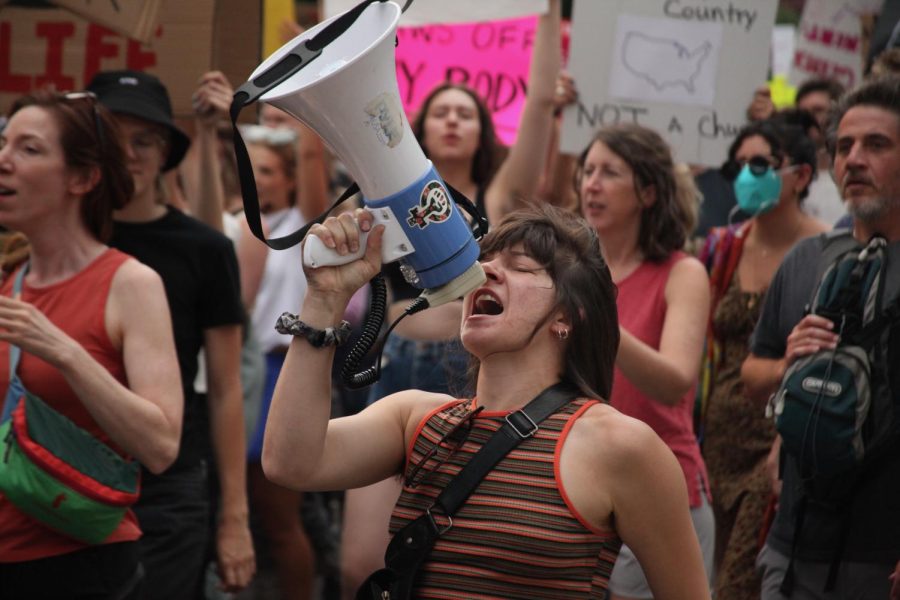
<point x="562" y="334"/>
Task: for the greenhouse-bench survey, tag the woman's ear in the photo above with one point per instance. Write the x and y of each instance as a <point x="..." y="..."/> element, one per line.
<point x="82" y="181"/>
<point x="561" y="325"/>
<point x="803" y="179"/>
<point x="648" y="196"/>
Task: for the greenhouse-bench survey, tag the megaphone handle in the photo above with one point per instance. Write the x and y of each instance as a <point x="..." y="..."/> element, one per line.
<point x="394" y="245"/>
<point x="316" y="254"/>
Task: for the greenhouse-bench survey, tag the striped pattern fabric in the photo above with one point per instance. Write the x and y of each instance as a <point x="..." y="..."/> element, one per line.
<point x="516" y="536"/>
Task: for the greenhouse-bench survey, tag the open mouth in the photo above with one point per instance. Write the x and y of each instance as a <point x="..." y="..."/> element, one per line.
<point x="4" y="191"/>
<point x="486" y="303"/>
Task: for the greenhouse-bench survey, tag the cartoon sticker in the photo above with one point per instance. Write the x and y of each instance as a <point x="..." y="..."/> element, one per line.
<point x="434" y="206"/>
<point x="386" y="118"/>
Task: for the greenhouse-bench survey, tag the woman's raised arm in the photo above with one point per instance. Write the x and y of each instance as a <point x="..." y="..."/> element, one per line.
<point x="303" y="449"/>
<point x="518" y="177"/>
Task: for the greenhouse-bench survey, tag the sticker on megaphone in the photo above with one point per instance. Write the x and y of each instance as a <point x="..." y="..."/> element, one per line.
<point x="422" y="226"/>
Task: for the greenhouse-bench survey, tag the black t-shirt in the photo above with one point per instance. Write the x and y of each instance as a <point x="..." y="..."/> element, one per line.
<point x="199" y="270"/>
<point x="874" y="519"/>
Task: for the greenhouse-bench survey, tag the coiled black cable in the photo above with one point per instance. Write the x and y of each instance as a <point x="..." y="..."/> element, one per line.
<point x="352" y="378"/>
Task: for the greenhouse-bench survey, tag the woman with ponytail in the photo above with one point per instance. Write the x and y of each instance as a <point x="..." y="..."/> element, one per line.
<point x="642" y="208"/>
<point x="93" y="328"/>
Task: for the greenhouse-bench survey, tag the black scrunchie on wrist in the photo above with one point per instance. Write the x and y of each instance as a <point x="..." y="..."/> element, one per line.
<point x="290" y="324"/>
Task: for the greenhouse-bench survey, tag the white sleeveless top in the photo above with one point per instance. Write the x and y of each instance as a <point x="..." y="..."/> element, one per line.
<point x="283" y="284"/>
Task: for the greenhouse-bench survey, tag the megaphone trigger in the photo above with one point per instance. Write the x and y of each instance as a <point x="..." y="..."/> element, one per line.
<point x="394" y="246"/>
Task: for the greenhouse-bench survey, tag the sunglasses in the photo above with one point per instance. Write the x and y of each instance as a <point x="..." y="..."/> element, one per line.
<point x="92" y="98"/>
<point x="758" y="166"/>
<point x="449" y="443"/>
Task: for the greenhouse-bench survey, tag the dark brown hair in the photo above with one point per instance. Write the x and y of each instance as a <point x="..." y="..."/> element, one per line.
<point x="880" y="92"/>
<point x="833" y="88"/>
<point x="487" y="157"/>
<point x="666" y="224"/>
<point x="567" y="247"/>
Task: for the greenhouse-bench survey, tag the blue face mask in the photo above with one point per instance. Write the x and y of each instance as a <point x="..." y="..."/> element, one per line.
<point x="757" y="194"/>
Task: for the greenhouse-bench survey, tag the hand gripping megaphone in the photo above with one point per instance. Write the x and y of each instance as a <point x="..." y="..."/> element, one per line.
<point x="339" y="79"/>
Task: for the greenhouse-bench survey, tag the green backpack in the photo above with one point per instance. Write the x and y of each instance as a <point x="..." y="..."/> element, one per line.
<point x="835" y="410"/>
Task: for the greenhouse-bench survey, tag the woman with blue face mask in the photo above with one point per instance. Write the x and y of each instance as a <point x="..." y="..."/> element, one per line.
<point x="771" y="164"/>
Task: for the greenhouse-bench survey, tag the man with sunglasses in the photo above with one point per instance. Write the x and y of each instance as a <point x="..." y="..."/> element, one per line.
<point x="200" y="273"/>
<point x="859" y="546"/>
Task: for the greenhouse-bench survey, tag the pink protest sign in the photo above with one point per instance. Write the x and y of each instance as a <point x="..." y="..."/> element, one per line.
<point x="491" y="57"/>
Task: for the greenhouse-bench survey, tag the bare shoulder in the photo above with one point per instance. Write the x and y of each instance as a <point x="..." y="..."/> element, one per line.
<point x="136" y="290"/>
<point x="688" y="281"/>
<point x="135" y="279"/>
<point x="411" y="406"/>
<point x="616" y="442"/>
<point x="688" y="270"/>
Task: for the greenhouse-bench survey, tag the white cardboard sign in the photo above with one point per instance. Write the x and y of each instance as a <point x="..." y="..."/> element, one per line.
<point x="423" y="12"/>
<point x="686" y="68"/>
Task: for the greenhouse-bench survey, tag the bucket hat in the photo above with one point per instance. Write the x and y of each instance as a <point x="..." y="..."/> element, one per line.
<point x="143" y="96"/>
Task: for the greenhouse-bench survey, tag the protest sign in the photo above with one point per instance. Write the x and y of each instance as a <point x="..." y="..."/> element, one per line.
<point x="457" y="11"/>
<point x="685" y="68"/>
<point x="137" y="20"/>
<point x="830" y="41"/>
<point x="54" y="48"/>
<point x="491" y="57"/>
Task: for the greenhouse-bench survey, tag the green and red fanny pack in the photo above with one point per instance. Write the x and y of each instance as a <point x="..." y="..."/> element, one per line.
<point x="56" y="472"/>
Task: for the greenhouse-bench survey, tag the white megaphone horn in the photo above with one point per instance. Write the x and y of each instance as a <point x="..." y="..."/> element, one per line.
<point x="347" y="93"/>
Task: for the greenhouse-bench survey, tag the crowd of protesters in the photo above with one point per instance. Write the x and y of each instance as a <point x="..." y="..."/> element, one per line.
<point x="142" y="308"/>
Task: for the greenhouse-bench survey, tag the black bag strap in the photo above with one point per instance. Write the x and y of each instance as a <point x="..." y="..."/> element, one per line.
<point x="835" y="244"/>
<point x="411" y="545"/>
<point x="518" y="426"/>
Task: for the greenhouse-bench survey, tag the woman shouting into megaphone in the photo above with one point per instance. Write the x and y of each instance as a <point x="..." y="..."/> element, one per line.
<point x="547" y="520"/>
<point x="456" y="131"/>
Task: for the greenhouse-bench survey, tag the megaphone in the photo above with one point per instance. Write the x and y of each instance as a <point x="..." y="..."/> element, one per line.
<point x="348" y="95"/>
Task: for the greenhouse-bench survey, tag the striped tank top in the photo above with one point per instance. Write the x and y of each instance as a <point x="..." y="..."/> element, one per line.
<point x="517" y="536"/>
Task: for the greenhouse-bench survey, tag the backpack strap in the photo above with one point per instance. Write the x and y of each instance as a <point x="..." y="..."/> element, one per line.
<point x="888" y="317"/>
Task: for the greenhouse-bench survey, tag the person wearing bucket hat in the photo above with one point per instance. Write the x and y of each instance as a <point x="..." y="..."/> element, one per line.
<point x="142" y="96"/>
<point x="200" y="274"/>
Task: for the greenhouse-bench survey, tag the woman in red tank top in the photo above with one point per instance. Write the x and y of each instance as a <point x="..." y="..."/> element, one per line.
<point x="93" y="327"/>
<point x="642" y="210"/>
<point x="547" y="521"/>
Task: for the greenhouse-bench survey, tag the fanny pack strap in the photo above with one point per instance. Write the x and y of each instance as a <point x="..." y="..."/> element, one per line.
<point x="15" y="386"/>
